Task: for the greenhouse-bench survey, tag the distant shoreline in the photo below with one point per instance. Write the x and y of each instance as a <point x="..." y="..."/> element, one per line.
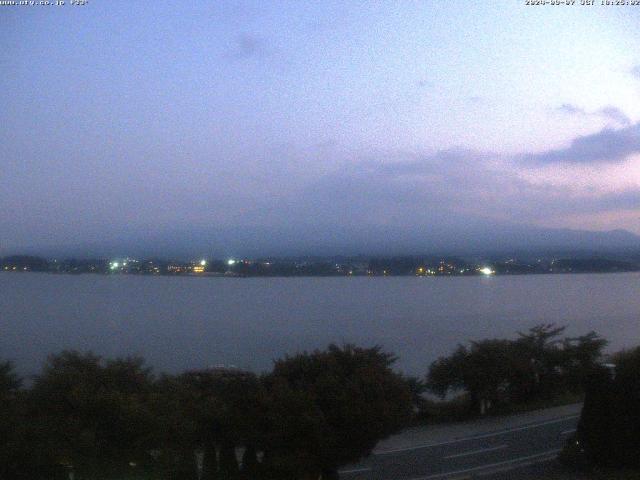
<point x="418" y="266"/>
<point x="209" y="276"/>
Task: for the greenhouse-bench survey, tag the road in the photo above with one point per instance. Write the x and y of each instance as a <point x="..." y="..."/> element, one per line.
<point x="472" y="450"/>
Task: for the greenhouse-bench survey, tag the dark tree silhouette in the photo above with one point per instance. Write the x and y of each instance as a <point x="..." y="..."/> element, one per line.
<point x="330" y="408"/>
<point x="93" y="414"/>
<point x="538" y="364"/>
<point x="609" y="427"/>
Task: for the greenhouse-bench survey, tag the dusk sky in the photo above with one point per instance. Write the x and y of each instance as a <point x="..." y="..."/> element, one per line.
<point x="124" y="117"/>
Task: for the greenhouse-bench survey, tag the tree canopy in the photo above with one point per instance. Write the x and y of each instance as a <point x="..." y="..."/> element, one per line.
<point x="112" y="418"/>
<point x="349" y="398"/>
<point x="536" y="364"/>
<point x="609" y="426"/>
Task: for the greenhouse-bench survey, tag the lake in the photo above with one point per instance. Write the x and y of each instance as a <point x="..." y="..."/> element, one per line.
<point x="179" y="323"/>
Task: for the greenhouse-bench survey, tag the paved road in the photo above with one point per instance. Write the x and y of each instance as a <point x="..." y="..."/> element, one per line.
<point x="486" y="448"/>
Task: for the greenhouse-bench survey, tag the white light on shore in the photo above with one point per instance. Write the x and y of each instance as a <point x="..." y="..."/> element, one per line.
<point x="231" y="261"/>
<point x="486" y="271"/>
<point x="203" y="262"/>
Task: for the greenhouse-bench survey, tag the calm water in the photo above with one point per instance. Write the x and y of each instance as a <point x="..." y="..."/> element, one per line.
<point x="179" y="323"/>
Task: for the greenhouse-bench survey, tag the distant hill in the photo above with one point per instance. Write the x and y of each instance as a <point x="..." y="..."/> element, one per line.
<point x="475" y="237"/>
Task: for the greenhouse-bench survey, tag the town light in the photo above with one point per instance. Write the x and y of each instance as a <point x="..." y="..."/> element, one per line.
<point x="231" y="261"/>
<point x="486" y="271"/>
<point x="203" y="262"/>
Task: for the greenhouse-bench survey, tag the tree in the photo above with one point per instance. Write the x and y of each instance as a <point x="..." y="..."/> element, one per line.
<point x="9" y="380"/>
<point x="93" y="415"/>
<point x="580" y="356"/>
<point x="596" y="428"/>
<point x="11" y="451"/>
<point x="541" y="358"/>
<point x="484" y="370"/>
<point x="177" y="428"/>
<point x="209" y="412"/>
<point x="294" y="427"/>
<point x="446" y="374"/>
<point x="337" y="404"/>
<point x="417" y="388"/>
<point x="537" y="364"/>
<point x="626" y="407"/>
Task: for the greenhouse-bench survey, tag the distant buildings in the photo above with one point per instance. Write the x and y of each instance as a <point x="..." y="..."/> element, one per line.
<point x="338" y="266"/>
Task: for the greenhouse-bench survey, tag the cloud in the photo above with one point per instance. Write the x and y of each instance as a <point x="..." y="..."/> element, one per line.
<point x="447" y="190"/>
<point x="625" y="200"/>
<point x="605" y="146"/>
<point x="608" y="113"/>
<point x="458" y="190"/>
<point x="635" y="71"/>
<point x="571" y="109"/>
<point x="246" y="46"/>
<point x="614" y="114"/>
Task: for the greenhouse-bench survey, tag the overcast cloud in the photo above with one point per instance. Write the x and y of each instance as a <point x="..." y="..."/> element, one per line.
<point x="141" y="119"/>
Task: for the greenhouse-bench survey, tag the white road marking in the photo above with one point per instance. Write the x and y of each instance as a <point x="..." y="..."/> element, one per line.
<point x="474" y="452"/>
<point x="355" y="470"/>
<point x="476" y="437"/>
<point x="509" y="468"/>
<point x="568" y="432"/>
<point x="548" y="453"/>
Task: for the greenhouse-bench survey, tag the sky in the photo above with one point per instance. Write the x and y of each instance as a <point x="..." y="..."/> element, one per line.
<point x="122" y="119"/>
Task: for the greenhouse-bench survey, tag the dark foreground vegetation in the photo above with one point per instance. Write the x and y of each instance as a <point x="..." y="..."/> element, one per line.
<point x="498" y="374"/>
<point x="112" y="419"/>
<point x="98" y="418"/>
<point x="540" y="368"/>
<point x="608" y="434"/>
